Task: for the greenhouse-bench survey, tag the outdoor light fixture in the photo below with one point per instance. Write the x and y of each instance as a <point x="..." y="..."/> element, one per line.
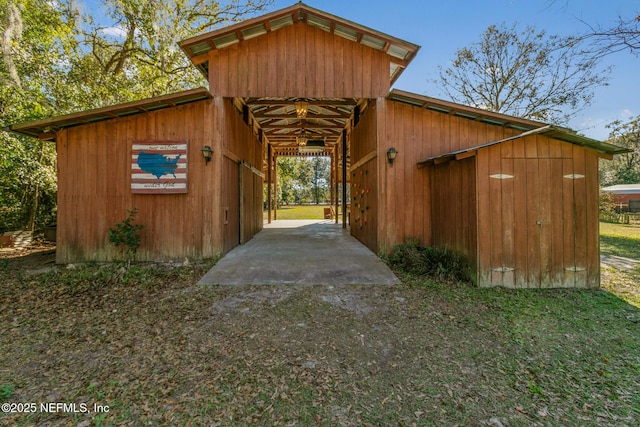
<point x="206" y="153"/>
<point x="313" y="146"/>
<point x="301" y="139"/>
<point x="391" y="154"/>
<point x="302" y="108"/>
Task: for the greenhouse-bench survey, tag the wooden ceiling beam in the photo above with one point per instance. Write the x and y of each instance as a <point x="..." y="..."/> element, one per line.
<point x="310" y="115"/>
<point x="283" y="102"/>
<point x="306" y="126"/>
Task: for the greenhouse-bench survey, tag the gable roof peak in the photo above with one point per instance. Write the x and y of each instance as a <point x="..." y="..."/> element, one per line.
<point x="400" y="52"/>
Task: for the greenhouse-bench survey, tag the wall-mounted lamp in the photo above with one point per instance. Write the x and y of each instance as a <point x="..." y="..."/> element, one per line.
<point x="206" y="153"/>
<point x="391" y="155"/>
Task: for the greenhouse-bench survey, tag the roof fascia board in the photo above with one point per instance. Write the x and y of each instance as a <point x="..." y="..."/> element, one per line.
<point x="556" y="132"/>
<point x="300" y="8"/>
<point x="426" y="101"/>
<point x="29" y="128"/>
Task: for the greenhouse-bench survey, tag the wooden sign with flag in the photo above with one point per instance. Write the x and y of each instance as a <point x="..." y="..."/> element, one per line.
<point x="159" y="167"/>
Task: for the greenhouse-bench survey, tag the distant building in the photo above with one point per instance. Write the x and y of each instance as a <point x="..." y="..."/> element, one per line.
<point x="626" y="196"/>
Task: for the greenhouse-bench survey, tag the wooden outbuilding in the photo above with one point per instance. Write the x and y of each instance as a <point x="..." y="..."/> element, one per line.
<point x="518" y="198"/>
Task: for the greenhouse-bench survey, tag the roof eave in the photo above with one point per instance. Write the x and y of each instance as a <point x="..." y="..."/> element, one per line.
<point x="555" y="132"/>
<point x="36" y="128"/>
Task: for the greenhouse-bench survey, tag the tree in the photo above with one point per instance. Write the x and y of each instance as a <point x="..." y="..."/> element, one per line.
<point x="62" y="57"/>
<point x="303" y="180"/>
<point x="624" y="168"/>
<point x="34" y="36"/>
<point x="131" y="46"/>
<point x="624" y="35"/>
<point x="524" y="73"/>
<point x="321" y="179"/>
<point x="286" y="177"/>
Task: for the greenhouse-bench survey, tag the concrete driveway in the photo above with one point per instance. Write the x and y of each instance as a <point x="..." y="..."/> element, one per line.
<point x="303" y="253"/>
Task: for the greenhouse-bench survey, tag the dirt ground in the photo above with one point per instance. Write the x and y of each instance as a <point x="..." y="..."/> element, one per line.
<point x="151" y="348"/>
<point x="38" y="256"/>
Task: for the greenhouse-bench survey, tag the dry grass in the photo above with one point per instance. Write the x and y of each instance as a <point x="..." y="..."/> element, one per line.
<point x="157" y="350"/>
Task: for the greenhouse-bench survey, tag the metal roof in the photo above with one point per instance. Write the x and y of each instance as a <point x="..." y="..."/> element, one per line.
<point x="528" y="127"/>
<point x="400" y="51"/>
<point x="555" y="132"/>
<point x="623" y="189"/>
<point x="46" y="128"/>
<point x="463" y="111"/>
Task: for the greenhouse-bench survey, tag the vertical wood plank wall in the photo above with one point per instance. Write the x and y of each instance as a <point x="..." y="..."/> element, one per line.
<point x="299" y="61"/>
<point x="538" y="223"/>
<point x="406" y="190"/>
<point x="453" y="207"/>
<point x="94" y="188"/>
<point x="243" y="186"/>
<point x="534" y="224"/>
<point x="364" y="180"/>
<point x="230" y="204"/>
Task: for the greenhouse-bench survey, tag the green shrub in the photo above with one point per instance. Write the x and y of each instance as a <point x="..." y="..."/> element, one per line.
<point x="126" y="234"/>
<point x="438" y="263"/>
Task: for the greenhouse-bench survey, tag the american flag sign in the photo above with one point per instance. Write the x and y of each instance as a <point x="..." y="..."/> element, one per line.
<point x="159" y="167"/>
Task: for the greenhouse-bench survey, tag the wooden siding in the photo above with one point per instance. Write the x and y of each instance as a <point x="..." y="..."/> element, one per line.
<point x="417" y="134"/>
<point x="242" y="179"/>
<point x="524" y="211"/>
<point x="94" y="188"/>
<point x="453" y="207"/>
<point x="299" y="61"/>
<point x="537" y="215"/>
<point x="363" y="180"/>
<point x="231" y="204"/>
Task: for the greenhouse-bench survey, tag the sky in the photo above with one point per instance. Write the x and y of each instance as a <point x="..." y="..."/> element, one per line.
<point x="442" y="27"/>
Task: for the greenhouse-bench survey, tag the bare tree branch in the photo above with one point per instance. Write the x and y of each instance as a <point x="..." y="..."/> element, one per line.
<point x="524" y="73"/>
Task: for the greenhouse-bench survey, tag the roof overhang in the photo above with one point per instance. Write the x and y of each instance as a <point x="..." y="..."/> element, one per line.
<point x="551" y="131"/>
<point x="400" y="51"/>
<point x="45" y="129"/>
<point x="458" y="110"/>
<point x="527" y="127"/>
<point x="623" y="189"/>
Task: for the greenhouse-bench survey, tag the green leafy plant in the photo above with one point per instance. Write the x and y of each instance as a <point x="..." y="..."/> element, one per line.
<point x="438" y="263"/>
<point x="126" y="236"/>
<point x="6" y="391"/>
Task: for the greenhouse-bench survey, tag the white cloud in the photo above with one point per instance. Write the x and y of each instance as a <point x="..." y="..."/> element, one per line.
<point x="117" y="32"/>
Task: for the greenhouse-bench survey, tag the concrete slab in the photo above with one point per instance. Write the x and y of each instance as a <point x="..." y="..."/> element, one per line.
<point x="301" y="253"/>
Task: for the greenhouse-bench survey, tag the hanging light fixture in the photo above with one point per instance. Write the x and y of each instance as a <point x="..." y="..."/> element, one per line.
<point x="301" y="139"/>
<point x="314" y="146"/>
<point x="302" y="108"/>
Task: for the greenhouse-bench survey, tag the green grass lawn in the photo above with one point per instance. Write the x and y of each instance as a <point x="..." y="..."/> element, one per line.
<point x="301" y="212"/>
<point x="621" y="240"/>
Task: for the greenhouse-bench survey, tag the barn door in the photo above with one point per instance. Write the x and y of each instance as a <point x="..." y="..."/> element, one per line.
<point x="552" y="223"/>
<point x="245" y="191"/>
<point x="545" y="220"/>
<point x="250" y="201"/>
<point x="537" y="215"/>
<point x="231" y="204"/>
